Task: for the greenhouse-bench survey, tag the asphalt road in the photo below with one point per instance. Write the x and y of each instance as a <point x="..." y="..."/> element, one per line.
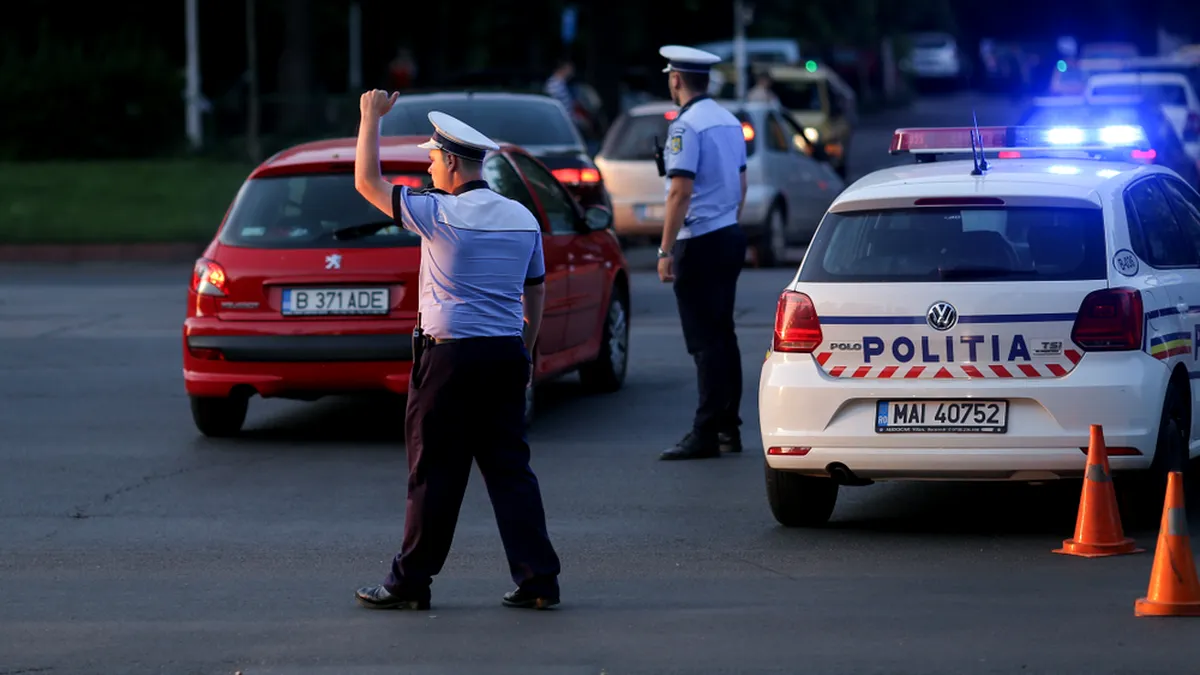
<point x="130" y="544"/>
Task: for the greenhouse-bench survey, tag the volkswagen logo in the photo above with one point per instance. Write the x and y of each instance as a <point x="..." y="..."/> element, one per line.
<point x="942" y="316"/>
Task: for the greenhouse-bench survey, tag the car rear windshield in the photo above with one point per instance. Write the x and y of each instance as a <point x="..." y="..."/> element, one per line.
<point x="1163" y="93"/>
<point x="632" y="138"/>
<point x="958" y="244"/>
<point x="304" y="211"/>
<point x="523" y="121"/>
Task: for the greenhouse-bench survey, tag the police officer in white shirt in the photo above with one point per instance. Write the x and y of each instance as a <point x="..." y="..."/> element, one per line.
<point x="703" y="246"/>
<point x="482" y="294"/>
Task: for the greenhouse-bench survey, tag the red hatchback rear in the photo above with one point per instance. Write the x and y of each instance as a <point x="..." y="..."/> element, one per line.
<point x="291" y="301"/>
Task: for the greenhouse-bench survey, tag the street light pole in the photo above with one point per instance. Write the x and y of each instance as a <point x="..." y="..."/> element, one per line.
<point x="739" y="48"/>
<point x="192" y="95"/>
<point x="355" y="79"/>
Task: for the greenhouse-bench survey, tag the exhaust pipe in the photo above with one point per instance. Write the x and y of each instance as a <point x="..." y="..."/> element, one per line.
<point x="842" y="475"/>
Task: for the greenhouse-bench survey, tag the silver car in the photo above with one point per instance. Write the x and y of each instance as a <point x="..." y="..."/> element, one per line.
<point x="788" y="190"/>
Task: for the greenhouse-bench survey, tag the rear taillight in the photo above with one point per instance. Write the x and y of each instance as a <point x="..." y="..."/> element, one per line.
<point x="208" y="278"/>
<point x="577" y="176"/>
<point x="797" y="328"/>
<point x="1109" y="320"/>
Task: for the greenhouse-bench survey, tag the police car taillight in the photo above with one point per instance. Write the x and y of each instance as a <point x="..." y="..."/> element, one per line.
<point x="1109" y="320"/>
<point x="797" y="327"/>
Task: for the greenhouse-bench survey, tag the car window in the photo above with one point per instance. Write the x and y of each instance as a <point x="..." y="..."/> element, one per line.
<point x="1156" y="236"/>
<point x="558" y="205"/>
<point x="633" y="138"/>
<point x="303" y="211"/>
<point x="505" y="180"/>
<point x="798" y="94"/>
<point x="960" y="244"/>
<point x="1185" y="204"/>
<point x="1165" y="94"/>
<point x="777" y="140"/>
<point x="523" y="121"/>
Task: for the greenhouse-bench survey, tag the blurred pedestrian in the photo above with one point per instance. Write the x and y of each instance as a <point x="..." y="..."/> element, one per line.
<point x="762" y="91"/>
<point x="558" y="86"/>
<point x="403" y="70"/>
<point x="481" y="301"/>
<point x="703" y="246"/>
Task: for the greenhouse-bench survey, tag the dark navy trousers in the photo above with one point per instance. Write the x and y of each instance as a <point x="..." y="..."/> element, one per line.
<point x="706" y="269"/>
<point x="466" y="401"/>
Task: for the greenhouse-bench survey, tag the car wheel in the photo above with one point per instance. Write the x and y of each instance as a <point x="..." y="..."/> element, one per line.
<point x="218" y="417"/>
<point x="1174" y="432"/>
<point x="771" y="247"/>
<point x="607" y="373"/>
<point x="800" y="501"/>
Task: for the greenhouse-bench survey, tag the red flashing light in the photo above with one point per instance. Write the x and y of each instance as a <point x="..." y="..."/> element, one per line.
<point x="1009" y="154"/>
<point x="947" y="139"/>
<point x="797" y="327"/>
<point x="577" y="176"/>
<point x="671" y="114"/>
<point x="1110" y="320"/>
<point x="208" y="278"/>
<point x="415" y="182"/>
<point x="1144" y="155"/>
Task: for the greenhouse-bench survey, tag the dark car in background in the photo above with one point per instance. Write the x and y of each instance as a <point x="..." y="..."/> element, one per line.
<point x="1166" y="148"/>
<point x="538" y="124"/>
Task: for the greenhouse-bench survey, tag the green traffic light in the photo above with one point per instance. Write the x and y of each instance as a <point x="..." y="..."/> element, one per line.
<point x="1062" y="66"/>
<point x="811" y="66"/>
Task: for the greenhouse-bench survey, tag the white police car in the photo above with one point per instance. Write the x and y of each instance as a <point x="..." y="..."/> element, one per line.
<point x="951" y="323"/>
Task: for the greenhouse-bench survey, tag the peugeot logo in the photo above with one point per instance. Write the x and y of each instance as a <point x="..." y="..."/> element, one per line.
<point x="942" y="316"/>
<point x="333" y="262"/>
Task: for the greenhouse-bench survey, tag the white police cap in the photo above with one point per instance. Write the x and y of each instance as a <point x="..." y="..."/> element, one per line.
<point x="687" y="59"/>
<point x="457" y="138"/>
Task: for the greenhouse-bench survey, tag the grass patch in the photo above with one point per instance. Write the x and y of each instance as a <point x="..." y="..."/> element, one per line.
<point x="115" y="202"/>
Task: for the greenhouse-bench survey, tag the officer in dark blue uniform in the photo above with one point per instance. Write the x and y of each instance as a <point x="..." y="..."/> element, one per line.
<point x="703" y="246"/>
<point x="482" y="295"/>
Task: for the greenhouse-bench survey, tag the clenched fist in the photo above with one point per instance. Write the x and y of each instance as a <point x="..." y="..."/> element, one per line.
<point x="376" y="103"/>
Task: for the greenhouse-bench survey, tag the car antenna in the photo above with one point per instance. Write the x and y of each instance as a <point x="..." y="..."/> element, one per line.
<point x="981" y="164"/>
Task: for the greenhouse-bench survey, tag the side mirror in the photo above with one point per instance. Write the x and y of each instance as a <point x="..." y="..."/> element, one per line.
<point x="598" y="218"/>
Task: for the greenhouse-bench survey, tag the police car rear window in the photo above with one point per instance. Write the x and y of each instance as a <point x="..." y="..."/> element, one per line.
<point x="958" y="244"/>
<point x="303" y="211"/>
<point x="521" y="121"/>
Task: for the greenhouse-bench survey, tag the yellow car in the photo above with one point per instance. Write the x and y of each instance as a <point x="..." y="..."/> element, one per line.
<point x="816" y="98"/>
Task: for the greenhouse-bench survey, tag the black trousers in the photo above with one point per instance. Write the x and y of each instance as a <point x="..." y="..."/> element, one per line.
<point x="706" y="274"/>
<point x="466" y="401"/>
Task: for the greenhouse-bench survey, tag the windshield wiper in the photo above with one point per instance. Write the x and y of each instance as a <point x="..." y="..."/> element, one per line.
<point x="980" y="272"/>
<point x="358" y="231"/>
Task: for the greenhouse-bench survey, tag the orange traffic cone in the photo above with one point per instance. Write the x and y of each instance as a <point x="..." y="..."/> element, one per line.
<point x="1174" y="588"/>
<point x="1098" y="529"/>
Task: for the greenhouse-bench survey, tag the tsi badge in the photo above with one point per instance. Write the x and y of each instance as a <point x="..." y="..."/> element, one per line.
<point x="333" y="261"/>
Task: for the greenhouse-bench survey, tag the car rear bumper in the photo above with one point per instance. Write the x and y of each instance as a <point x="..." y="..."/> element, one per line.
<point x="218" y="359"/>
<point x="1048" y="429"/>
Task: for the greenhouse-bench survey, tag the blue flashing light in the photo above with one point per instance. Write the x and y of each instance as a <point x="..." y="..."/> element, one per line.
<point x="1065" y="136"/>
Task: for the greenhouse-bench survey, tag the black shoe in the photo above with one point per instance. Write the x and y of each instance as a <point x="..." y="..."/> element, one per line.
<point x="729" y="441"/>
<point x="693" y="446"/>
<point x="526" y="600"/>
<point x="378" y="597"/>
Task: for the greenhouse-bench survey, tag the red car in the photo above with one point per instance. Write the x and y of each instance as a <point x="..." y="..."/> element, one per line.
<point x="295" y="298"/>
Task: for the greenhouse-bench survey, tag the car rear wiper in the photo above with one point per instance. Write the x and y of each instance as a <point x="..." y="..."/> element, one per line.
<point x="359" y="231"/>
<point x="979" y="272"/>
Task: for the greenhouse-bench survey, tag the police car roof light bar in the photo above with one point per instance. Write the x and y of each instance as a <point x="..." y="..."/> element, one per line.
<point x="960" y="140"/>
